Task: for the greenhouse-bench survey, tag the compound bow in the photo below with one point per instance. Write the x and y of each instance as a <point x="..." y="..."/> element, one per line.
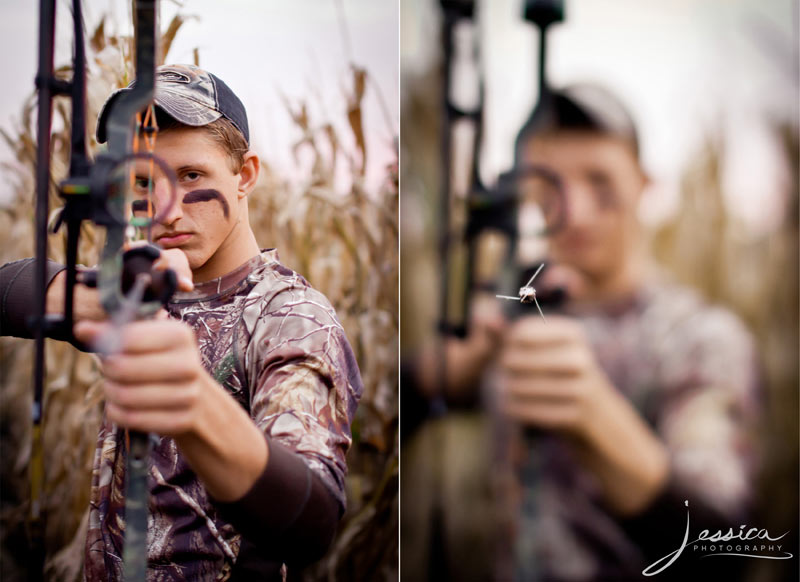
<point x="97" y="191"/>
<point x="469" y="211"/>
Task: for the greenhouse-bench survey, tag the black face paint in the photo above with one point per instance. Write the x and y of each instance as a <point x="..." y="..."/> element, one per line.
<point x="139" y="206"/>
<point x="205" y="196"/>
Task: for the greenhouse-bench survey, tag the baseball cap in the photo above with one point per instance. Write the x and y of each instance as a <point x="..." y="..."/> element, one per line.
<point x="584" y="106"/>
<point x="190" y="95"/>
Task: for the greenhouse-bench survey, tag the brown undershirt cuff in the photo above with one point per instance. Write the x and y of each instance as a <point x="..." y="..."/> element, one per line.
<point x="288" y="513"/>
<point x="18" y="297"/>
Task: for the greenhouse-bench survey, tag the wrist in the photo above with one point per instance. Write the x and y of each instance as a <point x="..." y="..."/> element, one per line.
<point x="211" y="407"/>
<point x="604" y="409"/>
<point x="223" y="445"/>
<point x="622" y="450"/>
<point x="54" y="297"/>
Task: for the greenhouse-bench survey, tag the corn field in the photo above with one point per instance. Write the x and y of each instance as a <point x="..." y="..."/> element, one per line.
<point x="702" y="245"/>
<point x="344" y="243"/>
<point x="757" y="278"/>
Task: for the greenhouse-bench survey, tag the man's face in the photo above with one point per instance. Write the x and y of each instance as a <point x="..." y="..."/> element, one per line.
<point x="205" y="216"/>
<point x="602" y="182"/>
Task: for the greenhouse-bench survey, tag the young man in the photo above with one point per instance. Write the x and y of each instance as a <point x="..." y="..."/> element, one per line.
<point x="634" y="399"/>
<point x="647" y="395"/>
<point x="250" y="385"/>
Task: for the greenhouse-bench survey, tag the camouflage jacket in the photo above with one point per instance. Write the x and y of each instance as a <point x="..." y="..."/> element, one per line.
<point x="691" y="372"/>
<point x="276" y="346"/>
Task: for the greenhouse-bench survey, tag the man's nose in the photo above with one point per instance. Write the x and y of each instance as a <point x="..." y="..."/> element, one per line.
<point x="581" y="207"/>
<point x="165" y="199"/>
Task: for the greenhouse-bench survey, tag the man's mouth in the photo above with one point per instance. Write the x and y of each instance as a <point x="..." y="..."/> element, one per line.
<point x="173" y="239"/>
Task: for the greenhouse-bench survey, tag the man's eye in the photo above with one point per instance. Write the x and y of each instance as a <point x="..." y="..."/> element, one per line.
<point x="603" y="190"/>
<point x="191" y="176"/>
<point x="537" y="190"/>
<point x="142" y="183"/>
<point x="606" y="198"/>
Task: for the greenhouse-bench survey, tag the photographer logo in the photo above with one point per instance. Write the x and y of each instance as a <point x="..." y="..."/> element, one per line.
<point x="750" y="543"/>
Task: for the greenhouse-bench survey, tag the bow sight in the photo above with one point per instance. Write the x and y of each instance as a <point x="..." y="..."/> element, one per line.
<point x="97" y="192"/>
<point x="468" y="208"/>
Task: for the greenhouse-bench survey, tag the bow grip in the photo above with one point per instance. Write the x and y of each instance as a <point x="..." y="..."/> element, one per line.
<point x="549" y="297"/>
<point x="140" y="260"/>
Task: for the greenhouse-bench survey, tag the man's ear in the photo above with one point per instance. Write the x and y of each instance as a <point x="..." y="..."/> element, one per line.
<point x="647" y="182"/>
<point x="248" y="176"/>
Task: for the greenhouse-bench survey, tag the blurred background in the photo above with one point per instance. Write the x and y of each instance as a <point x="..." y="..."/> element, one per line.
<point x="320" y="83"/>
<point x="713" y="88"/>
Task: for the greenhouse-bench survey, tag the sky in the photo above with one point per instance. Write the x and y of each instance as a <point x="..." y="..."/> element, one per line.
<point x="260" y="48"/>
<point x="684" y="67"/>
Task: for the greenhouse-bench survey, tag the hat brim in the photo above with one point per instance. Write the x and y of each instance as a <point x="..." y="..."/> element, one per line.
<point x="186" y="111"/>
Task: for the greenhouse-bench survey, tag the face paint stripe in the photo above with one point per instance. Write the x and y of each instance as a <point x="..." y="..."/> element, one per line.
<point x="204" y="196"/>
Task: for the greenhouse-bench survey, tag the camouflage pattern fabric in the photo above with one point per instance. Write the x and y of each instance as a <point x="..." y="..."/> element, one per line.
<point x="275" y="344"/>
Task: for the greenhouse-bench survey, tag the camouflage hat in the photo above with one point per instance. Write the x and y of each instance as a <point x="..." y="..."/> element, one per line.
<point x="583" y="107"/>
<point x="190" y="95"/>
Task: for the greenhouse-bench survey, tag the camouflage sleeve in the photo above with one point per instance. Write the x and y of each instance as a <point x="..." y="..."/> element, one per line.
<point x="304" y="387"/>
<point x="305" y="382"/>
<point x="709" y="406"/>
<point x="709" y="410"/>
